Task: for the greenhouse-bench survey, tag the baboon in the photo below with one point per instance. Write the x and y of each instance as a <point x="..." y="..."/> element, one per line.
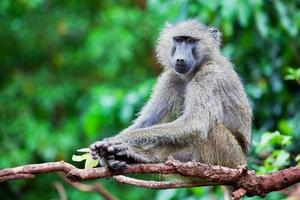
<point x="198" y="109"/>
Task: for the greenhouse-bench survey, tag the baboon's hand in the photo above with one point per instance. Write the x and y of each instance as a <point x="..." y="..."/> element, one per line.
<point x="116" y="154"/>
<point x="99" y="149"/>
<point x="105" y="151"/>
<point x="123" y="151"/>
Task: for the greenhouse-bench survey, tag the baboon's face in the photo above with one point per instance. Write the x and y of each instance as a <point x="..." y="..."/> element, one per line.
<point x="183" y="54"/>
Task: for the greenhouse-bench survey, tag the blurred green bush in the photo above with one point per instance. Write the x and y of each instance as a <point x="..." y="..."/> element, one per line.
<point x="72" y="72"/>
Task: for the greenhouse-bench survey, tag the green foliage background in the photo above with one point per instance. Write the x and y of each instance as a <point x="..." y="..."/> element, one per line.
<point x="73" y="71"/>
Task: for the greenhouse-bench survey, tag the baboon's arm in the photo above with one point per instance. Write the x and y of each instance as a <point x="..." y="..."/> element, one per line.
<point x="202" y="109"/>
<point x="165" y="93"/>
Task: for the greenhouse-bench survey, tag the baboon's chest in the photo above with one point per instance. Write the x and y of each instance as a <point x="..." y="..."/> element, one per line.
<point x="177" y="107"/>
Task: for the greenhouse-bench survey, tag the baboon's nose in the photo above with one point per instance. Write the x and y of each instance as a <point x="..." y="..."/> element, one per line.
<point x="180" y="62"/>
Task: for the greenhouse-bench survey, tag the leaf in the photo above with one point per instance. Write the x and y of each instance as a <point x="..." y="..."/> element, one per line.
<point x="90" y="162"/>
<point x="281" y="158"/>
<point x="289" y="77"/>
<point x="84" y="150"/>
<point x="275" y="161"/>
<point x="292" y="74"/>
<point x="269" y="139"/>
<point x="87" y="157"/>
<point x="78" y="158"/>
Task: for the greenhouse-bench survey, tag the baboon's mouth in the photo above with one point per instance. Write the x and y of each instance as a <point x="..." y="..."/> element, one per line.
<point x="182" y="69"/>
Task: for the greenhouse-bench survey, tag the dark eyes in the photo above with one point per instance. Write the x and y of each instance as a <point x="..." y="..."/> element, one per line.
<point x="191" y="40"/>
<point x="178" y="39"/>
<point x="185" y="39"/>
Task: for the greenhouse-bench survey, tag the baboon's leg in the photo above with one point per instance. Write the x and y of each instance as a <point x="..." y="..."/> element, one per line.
<point x="222" y="148"/>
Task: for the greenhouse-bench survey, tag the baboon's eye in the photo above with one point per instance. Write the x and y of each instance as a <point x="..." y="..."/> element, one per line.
<point x="191" y="40"/>
<point x="178" y="39"/>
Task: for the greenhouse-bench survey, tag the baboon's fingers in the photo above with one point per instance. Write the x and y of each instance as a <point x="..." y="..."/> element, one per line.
<point x="125" y="153"/>
<point x="117" y="148"/>
<point x="133" y="157"/>
<point x="110" y="157"/>
<point x="102" y="162"/>
<point x="96" y="145"/>
<point x="116" y="165"/>
<point x="99" y="149"/>
<point x="95" y="155"/>
<point x="106" y="146"/>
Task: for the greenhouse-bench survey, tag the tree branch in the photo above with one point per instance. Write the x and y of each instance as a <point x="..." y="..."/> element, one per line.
<point x="245" y="181"/>
<point x="96" y="187"/>
<point x="159" y="184"/>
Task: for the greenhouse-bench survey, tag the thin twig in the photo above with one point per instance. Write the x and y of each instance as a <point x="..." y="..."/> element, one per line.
<point x="238" y="194"/>
<point x="159" y="184"/>
<point x="61" y="190"/>
<point x="96" y="187"/>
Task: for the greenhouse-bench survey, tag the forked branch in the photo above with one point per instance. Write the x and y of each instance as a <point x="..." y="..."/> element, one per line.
<point x="245" y="181"/>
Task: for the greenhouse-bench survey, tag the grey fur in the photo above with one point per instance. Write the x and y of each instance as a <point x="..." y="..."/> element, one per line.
<point x="202" y="115"/>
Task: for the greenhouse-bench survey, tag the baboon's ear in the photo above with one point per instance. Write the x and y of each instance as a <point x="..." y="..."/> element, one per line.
<point x="216" y="34"/>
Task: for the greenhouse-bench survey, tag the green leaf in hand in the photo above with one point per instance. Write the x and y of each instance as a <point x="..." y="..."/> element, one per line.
<point x="87" y="157"/>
